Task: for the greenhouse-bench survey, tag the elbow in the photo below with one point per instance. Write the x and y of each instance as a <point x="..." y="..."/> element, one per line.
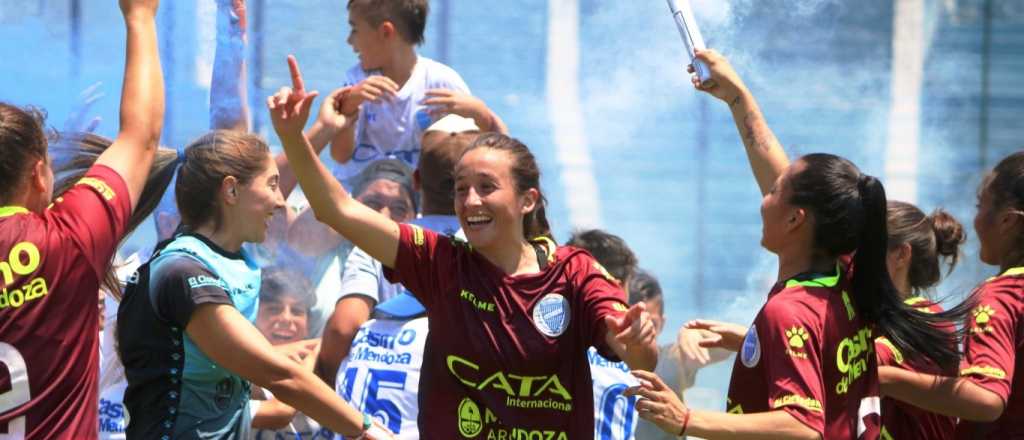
<point x="987" y="409"/>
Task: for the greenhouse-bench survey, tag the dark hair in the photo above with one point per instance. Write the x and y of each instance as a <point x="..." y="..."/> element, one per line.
<point x="23" y="140"/>
<point x="208" y="161"/>
<point x="643" y="286"/>
<point x="526" y="176"/>
<point x="608" y="249"/>
<point x="848" y="209"/>
<point x="280" y="281"/>
<point x="439" y="155"/>
<point x="930" y="237"/>
<point x="1006" y="184"/>
<point x="408" y="16"/>
<point x="75" y="153"/>
<point x="393" y="170"/>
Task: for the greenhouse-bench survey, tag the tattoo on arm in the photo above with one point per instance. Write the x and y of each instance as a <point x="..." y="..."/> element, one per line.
<point x="755" y="132"/>
<point x="735" y="101"/>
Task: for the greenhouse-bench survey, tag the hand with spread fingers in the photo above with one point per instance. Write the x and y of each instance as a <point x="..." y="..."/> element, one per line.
<point x="658" y="404"/>
<point x="632" y="336"/>
<point x="289" y="107"/>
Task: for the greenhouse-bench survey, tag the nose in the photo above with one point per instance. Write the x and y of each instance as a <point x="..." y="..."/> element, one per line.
<point x="278" y="200"/>
<point x="473" y="198"/>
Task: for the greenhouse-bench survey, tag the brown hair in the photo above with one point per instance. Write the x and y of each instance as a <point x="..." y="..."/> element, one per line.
<point x="208" y="161"/>
<point x="931" y="237"/>
<point x="408" y="16"/>
<point x="441" y="152"/>
<point x="526" y="176"/>
<point x="608" y="249"/>
<point x="1006" y="184"/>
<point x="23" y="140"/>
<point x="278" y="281"/>
<point x="75" y="153"/>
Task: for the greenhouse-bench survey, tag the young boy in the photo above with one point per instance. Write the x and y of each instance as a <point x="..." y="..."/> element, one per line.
<point x="394" y="94"/>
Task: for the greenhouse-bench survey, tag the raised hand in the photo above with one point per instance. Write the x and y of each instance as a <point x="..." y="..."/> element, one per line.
<point x="659" y="405"/>
<point x="138" y="8"/>
<point x="236" y="11"/>
<point x="633" y="328"/>
<point x="725" y="83"/>
<point x="444" y="101"/>
<point x="719" y="334"/>
<point x="689" y="341"/>
<point x="331" y="116"/>
<point x="374" y="89"/>
<point x="289" y="107"/>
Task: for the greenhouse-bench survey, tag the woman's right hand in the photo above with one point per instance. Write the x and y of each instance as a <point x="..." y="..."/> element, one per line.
<point x="719" y="334"/>
<point x="725" y="83"/>
<point x="289" y="107"/>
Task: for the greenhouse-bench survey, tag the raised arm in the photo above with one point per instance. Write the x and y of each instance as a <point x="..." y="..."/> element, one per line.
<point x="445" y="101"/>
<point x="229" y="104"/>
<point x="328" y="124"/>
<point x="951" y="396"/>
<point x="373" y="232"/>
<point x="142" y="99"/>
<point x="234" y="343"/>
<point x="767" y="158"/>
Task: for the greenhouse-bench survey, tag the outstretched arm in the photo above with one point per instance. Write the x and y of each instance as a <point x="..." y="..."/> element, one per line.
<point x="767" y="158"/>
<point x="229" y="105"/>
<point x="332" y="205"/>
<point x="633" y="338"/>
<point x="951" y="396"/>
<point x="142" y="100"/>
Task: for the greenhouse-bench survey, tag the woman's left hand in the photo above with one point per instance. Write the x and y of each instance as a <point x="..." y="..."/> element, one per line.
<point x="289" y="107"/>
<point x="658" y="403"/>
<point x="633" y="328"/>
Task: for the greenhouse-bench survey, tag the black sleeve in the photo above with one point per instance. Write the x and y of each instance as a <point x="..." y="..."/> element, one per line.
<point x="181" y="284"/>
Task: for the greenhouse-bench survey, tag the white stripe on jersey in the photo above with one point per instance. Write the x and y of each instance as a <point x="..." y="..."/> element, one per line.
<point x="614" y="415"/>
<point x="381" y="374"/>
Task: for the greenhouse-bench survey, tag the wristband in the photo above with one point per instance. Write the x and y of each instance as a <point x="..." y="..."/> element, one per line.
<point x="686" y="422"/>
<point x="368" y="422"/>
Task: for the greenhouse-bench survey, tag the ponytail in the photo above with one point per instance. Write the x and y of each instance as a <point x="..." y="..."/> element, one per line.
<point x="76" y="153"/>
<point x="915" y="332"/>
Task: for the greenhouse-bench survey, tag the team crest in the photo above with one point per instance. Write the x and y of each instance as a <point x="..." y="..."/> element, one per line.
<point x="551" y="315"/>
<point x="750" y="352"/>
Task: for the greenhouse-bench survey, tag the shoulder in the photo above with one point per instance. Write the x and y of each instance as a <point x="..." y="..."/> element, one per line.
<point x="801" y="301"/>
<point x="437" y="72"/>
<point x="1010" y="285"/>
<point x="179" y="266"/>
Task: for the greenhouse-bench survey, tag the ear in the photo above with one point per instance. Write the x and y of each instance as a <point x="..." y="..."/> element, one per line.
<point x="1011" y="222"/>
<point x="528" y="200"/>
<point x="417" y="184"/>
<point x="229" y="190"/>
<point x="903" y="254"/>
<point x="797" y="217"/>
<point x="38" y="178"/>
<point x="386" y="29"/>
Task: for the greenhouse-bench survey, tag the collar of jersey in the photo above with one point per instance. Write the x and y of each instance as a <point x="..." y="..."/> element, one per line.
<point x="1009" y="272"/>
<point x="815" y="280"/>
<point x="7" y="211"/>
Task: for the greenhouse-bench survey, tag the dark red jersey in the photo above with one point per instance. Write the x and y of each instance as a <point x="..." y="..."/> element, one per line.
<point x="809" y="354"/>
<point x="903" y="421"/>
<point x="51" y="265"/>
<point x="506" y="356"/>
<point x="991" y="349"/>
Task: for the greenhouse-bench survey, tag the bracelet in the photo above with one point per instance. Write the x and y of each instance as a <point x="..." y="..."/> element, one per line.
<point x="686" y="422"/>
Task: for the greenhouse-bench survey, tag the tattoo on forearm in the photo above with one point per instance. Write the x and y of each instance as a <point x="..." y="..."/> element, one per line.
<point x="756" y="133"/>
<point x="735" y="101"/>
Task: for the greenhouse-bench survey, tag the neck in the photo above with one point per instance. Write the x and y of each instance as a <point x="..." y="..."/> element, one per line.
<point x="793" y="265"/>
<point x="221" y="237"/>
<point x="403" y="60"/>
<point x="513" y="258"/>
<point x="902" y="284"/>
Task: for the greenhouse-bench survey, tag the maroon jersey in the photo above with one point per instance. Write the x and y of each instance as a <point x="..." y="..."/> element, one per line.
<point x="809" y="354"/>
<point x="901" y="420"/>
<point x="506" y="356"/>
<point x="996" y="337"/>
<point x="50" y="271"/>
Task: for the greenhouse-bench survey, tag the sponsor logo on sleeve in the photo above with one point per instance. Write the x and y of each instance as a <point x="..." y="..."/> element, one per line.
<point x="807" y="403"/>
<point x="100" y="186"/>
<point x="551" y="315"/>
<point x="417" y="235"/>
<point x="982" y="318"/>
<point x="750" y="352"/>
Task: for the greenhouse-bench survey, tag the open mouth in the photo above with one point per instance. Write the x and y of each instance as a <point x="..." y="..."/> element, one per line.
<point x="281" y="337"/>
<point x="478" y="221"/>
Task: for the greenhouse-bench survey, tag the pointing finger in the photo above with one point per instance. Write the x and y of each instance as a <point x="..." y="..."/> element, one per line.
<point x="293" y="66"/>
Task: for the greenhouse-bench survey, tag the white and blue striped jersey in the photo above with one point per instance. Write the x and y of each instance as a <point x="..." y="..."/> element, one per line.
<point x="615" y="416"/>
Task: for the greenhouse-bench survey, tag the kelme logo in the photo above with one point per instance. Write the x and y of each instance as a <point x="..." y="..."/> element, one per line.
<point x="470" y="422"/>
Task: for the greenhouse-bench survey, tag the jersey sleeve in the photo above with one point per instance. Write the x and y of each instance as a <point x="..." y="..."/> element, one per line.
<point x="448" y="78"/>
<point x="362" y="276"/>
<point x="791" y="340"/>
<point x="93" y="215"/>
<point x="990" y="349"/>
<point x="600" y="295"/>
<point x="179" y="285"/>
<point x="422" y="257"/>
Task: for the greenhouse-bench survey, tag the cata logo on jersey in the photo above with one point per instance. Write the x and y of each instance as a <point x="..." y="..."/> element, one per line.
<point x="551" y="315"/>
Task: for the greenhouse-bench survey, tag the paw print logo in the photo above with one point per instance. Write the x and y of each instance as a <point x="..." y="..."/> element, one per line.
<point x="982" y="315"/>
<point x="796" y="337"/>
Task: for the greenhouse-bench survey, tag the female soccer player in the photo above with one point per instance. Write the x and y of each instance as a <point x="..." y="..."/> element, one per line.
<point x="53" y="257"/>
<point x="510" y="315"/>
<point x="988" y="396"/>
<point x="806" y="368"/>
<point x="917" y="244"/>
<point x="185" y="331"/>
